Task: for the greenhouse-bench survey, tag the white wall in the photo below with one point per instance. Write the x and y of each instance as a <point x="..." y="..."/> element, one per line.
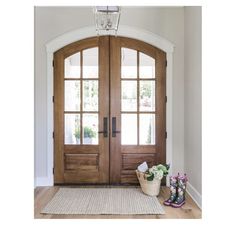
<point x="51" y="22"/>
<point x="192" y="101"/>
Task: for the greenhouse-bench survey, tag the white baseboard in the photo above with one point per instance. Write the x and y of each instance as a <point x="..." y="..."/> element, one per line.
<point x="43" y="181"/>
<point x="195" y="195"/>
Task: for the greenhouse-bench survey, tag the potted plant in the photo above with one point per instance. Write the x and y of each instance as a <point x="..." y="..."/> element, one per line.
<point x="89" y="133"/>
<point x="150" y="181"/>
<point x="77" y="135"/>
<point x="157" y="172"/>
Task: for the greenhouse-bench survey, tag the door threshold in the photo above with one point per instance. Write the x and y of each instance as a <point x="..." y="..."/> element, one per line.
<point x="97" y="185"/>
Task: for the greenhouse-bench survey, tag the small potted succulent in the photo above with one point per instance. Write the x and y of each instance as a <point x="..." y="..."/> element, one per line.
<point x="89" y="134"/>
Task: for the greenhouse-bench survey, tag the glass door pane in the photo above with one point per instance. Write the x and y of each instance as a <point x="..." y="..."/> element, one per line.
<point x="81" y="97"/>
<point x="90" y="129"/>
<point x="138" y="98"/>
<point x="72" y="95"/>
<point x="147" y="129"/>
<point x="72" y="66"/>
<point x="90" y="63"/>
<point x="72" y="129"/>
<point x="90" y="95"/>
<point x="146" y="66"/>
<point x="128" y="63"/>
<point x="129" y="129"/>
<point x="129" y="95"/>
<point x="147" y="95"/>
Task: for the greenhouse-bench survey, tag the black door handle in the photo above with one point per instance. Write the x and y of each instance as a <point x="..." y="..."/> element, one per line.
<point x="105" y="127"/>
<point x="114" y="131"/>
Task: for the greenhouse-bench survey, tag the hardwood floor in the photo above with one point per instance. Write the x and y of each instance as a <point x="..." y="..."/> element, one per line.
<point x="42" y="195"/>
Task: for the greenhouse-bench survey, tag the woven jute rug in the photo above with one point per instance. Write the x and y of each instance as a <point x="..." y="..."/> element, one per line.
<point x="96" y="201"/>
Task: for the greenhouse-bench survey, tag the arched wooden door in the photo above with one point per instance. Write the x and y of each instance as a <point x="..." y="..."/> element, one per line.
<point x="109" y="110"/>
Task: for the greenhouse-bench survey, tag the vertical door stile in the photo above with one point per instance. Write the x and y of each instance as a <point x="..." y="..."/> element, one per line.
<point x="104" y="107"/>
<point x="161" y="65"/>
<point x="115" y="157"/>
<point x="58" y="118"/>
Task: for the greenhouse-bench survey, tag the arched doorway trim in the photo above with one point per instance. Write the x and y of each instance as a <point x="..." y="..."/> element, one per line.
<point x="86" y="32"/>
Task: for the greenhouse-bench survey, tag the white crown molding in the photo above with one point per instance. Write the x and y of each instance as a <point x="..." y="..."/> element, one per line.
<point x="126" y="31"/>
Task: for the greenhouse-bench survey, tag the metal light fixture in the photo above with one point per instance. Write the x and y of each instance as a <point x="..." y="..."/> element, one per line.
<point x="107" y="18"/>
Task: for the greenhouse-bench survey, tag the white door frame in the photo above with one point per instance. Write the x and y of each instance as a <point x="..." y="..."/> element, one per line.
<point x="87" y="32"/>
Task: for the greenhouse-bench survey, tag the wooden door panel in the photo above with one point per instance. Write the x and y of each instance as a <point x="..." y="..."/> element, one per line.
<point x="131" y="161"/>
<point x="82" y="177"/>
<point x="83" y="149"/>
<point x="128" y="177"/>
<point x="81" y="161"/>
<point x="125" y="157"/>
<point x="138" y="149"/>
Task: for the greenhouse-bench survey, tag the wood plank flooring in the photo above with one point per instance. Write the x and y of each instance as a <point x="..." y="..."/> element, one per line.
<point x="42" y="195"/>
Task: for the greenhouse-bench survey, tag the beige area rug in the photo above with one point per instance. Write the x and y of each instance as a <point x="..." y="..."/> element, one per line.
<point x="96" y="201"/>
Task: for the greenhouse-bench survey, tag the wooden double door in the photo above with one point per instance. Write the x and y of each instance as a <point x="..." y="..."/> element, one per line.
<point x="109" y="110"/>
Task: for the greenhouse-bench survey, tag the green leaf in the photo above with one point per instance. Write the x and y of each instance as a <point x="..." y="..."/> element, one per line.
<point x="151" y="177"/>
<point x="164" y="168"/>
<point x="167" y="166"/>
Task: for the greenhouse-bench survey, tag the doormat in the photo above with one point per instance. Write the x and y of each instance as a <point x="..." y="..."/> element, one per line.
<point x="108" y="201"/>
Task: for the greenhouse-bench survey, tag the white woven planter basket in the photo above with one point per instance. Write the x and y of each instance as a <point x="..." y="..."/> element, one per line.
<point x="151" y="188"/>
